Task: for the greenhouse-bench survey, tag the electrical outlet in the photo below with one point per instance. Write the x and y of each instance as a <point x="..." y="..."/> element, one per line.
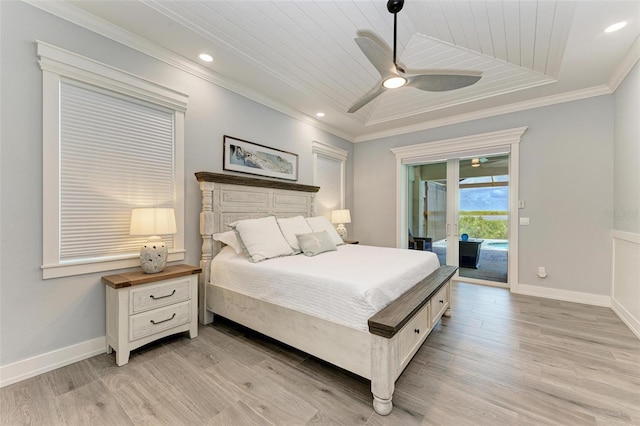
<point x="542" y="271"/>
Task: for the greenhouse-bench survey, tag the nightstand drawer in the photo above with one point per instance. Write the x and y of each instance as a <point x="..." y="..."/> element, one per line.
<point x="151" y="322"/>
<point x="151" y="297"/>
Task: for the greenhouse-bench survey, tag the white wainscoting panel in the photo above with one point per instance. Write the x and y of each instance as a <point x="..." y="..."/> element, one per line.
<point x="625" y="282"/>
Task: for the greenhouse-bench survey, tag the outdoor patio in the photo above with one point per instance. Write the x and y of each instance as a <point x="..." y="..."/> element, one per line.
<point x="492" y="265"/>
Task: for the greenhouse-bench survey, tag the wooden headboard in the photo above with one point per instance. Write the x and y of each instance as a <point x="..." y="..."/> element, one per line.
<point x="227" y="198"/>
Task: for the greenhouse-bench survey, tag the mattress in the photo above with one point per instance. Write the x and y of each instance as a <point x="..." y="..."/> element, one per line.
<point x="347" y="286"/>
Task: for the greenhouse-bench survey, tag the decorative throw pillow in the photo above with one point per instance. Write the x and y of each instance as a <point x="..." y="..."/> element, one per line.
<point x="261" y="239"/>
<point x="292" y="226"/>
<point x="321" y="223"/>
<point x="315" y="243"/>
<point x="229" y="238"/>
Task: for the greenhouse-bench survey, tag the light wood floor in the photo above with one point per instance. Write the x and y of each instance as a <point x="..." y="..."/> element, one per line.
<point x="501" y="359"/>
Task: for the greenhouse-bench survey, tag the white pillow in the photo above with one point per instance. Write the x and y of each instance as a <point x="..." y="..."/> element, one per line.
<point x="261" y="239"/>
<point x="229" y="238"/>
<point x="321" y="223"/>
<point x="292" y="226"/>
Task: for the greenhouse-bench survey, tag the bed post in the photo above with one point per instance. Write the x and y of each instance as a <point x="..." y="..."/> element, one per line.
<point x="206" y="231"/>
<point x="383" y="362"/>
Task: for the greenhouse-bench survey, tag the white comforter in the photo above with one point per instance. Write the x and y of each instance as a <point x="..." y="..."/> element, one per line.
<point x="346" y="286"/>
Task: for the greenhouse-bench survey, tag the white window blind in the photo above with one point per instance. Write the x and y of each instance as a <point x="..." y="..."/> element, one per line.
<point x="116" y="153"/>
<point x="329" y="179"/>
<point x="329" y="174"/>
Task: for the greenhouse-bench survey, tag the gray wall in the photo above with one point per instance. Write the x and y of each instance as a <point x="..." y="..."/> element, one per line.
<point x="38" y="316"/>
<point x="626" y="199"/>
<point x="566" y="179"/>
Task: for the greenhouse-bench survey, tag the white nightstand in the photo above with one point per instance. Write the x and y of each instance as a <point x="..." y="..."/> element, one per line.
<point x="143" y="307"/>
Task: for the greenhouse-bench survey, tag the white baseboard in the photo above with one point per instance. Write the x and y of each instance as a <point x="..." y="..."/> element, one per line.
<point x="565" y="295"/>
<point x="31" y="367"/>
<point x="626" y="317"/>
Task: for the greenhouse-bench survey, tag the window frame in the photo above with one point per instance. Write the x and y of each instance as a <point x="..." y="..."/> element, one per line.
<point x="333" y="153"/>
<point x="57" y="65"/>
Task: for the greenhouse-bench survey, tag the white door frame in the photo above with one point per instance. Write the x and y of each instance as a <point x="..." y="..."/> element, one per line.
<point x="443" y="150"/>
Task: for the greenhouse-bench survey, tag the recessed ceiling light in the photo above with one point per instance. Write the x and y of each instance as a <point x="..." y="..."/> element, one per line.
<point x="615" y="27"/>
<point x="206" y="57"/>
<point x="320" y="114"/>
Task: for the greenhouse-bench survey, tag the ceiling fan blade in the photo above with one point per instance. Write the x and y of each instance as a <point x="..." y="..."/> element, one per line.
<point x="368" y="97"/>
<point x="376" y="51"/>
<point x="443" y="80"/>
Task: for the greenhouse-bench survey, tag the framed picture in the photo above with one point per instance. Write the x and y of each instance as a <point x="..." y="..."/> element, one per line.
<point x="248" y="157"/>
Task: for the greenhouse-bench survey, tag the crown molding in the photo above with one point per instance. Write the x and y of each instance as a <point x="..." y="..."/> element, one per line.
<point x="491" y="112"/>
<point x="627" y="64"/>
<point x="76" y="16"/>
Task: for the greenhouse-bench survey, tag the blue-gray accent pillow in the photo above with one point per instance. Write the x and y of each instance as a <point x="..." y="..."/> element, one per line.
<point x="314" y="243"/>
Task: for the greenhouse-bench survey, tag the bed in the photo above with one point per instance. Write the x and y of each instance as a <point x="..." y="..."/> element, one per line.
<point x="375" y="336"/>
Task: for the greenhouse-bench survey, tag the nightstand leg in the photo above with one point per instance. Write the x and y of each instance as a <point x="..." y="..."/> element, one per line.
<point x="109" y="348"/>
<point x="122" y="357"/>
<point x="193" y="331"/>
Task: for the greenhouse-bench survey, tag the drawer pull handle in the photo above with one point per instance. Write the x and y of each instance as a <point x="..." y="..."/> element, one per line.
<point x="416" y="330"/>
<point x="441" y="301"/>
<point x="162" y="297"/>
<point x="160" y="322"/>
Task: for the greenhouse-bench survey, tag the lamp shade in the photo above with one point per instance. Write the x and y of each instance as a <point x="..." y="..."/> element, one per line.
<point x="341" y="216"/>
<point x="152" y="221"/>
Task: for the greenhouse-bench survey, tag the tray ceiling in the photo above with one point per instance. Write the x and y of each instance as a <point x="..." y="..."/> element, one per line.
<point x="300" y="57"/>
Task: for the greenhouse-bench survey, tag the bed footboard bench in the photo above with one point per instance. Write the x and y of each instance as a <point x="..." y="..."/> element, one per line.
<point x="398" y="331"/>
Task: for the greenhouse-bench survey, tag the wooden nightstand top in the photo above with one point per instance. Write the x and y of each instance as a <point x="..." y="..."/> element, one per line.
<point x="138" y="277"/>
<point x="351" y="242"/>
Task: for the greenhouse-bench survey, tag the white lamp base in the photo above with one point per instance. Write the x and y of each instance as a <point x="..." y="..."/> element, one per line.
<point x="342" y="231"/>
<point x="153" y="255"/>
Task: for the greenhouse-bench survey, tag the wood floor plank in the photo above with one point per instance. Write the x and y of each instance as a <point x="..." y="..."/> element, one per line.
<point x="501" y="359"/>
<point x="199" y="393"/>
<point x="263" y="395"/>
<point x="238" y="414"/>
<point x="30" y="402"/>
<point x="91" y="404"/>
<point x="333" y="404"/>
<point x="70" y="377"/>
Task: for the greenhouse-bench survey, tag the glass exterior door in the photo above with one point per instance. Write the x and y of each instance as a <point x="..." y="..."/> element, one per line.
<point x="459" y="209"/>
<point x="430" y="220"/>
<point x="483" y="217"/>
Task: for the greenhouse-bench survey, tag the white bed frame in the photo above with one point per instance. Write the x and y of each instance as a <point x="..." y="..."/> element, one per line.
<point x="395" y="333"/>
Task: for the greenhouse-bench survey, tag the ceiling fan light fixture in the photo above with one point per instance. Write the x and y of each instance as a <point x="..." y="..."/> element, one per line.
<point x="394" y="82"/>
<point x="475" y="162"/>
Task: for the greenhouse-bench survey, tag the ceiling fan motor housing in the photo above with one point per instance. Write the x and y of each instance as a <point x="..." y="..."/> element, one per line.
<point x="395" y="6"/>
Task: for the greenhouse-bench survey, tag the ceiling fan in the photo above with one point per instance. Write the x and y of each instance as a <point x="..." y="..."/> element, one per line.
<point x="394" y="75"/>
<point x="490" y="162"/>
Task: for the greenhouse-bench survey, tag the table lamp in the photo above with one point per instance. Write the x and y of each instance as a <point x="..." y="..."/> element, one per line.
<point x="153" y="222"/>
<point x="341" y="217"/>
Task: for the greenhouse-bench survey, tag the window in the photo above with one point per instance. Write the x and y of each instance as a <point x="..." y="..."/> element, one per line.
<point x="329" y="175"/>
<point x="111" y="142"/>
